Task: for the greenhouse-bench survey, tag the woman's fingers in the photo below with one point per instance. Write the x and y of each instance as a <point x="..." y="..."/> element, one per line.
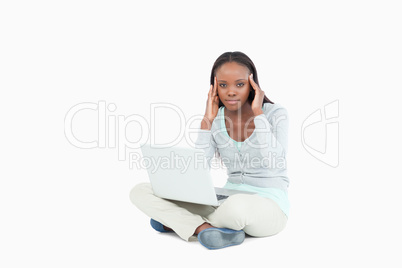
<point x="215" y="87"/>
<point x="210" y="93"/>
<point x="254" y="84"/>
<point x="213" y="97"/>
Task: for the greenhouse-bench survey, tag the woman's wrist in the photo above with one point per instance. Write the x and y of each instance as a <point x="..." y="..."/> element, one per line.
<point x="206" y="123"/>
<point x="257" y="111"/>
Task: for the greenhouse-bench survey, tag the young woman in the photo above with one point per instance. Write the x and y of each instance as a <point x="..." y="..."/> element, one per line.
<point x="248" y="132"/>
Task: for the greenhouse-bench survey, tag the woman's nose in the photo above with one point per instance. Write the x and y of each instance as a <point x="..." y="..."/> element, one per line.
<point x="231" y="92"/>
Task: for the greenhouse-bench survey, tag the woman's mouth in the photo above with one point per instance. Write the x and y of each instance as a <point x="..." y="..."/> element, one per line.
<point x="232" y="101"/>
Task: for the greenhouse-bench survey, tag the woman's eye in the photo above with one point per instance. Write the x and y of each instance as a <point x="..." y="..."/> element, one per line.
<point x="222" y="85"/>
<point x="240" y="84"/>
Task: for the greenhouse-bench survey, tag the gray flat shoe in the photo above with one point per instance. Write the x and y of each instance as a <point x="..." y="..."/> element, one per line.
<point x="217" y="238"/>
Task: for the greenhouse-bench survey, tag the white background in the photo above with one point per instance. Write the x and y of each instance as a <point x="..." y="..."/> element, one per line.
<point x="62" y="206"/>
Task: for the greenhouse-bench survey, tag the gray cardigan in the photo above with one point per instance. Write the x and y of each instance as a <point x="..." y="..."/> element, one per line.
<point x="261" y="161"/>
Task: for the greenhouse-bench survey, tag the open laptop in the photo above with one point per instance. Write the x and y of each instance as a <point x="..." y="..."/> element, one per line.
<point x="182" y="173"/>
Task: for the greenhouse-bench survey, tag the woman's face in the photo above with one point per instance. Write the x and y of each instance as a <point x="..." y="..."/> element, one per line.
<point x="233" y="85"/>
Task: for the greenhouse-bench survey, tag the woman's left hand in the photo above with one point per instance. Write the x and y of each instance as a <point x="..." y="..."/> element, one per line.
<point x="256" y="105"/>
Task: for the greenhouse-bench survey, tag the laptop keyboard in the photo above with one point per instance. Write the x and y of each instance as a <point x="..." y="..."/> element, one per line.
<point x="221" y="197"/>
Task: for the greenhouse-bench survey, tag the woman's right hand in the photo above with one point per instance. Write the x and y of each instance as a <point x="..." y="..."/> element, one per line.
<point x="212" y="108"/>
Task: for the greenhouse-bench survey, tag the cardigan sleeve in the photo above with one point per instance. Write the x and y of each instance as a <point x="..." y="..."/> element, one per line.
<point x="206" y="142"/>
<point x="272" y="132"/>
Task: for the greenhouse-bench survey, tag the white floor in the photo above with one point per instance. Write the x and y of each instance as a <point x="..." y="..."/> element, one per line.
<point x="62" y="205"/>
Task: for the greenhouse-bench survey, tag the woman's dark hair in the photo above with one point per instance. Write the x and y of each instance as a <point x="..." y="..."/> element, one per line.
<point x="242" y="59"/>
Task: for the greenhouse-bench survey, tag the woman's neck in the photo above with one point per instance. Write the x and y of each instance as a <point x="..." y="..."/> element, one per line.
<point x="243" y="113"/>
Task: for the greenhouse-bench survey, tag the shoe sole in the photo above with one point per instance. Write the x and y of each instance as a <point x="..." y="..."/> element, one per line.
<point x="214" y="238"/>
<point x="159" y="226"/>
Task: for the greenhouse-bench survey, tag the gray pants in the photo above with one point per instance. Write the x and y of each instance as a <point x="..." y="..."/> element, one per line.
<point x="255" y="215"/>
